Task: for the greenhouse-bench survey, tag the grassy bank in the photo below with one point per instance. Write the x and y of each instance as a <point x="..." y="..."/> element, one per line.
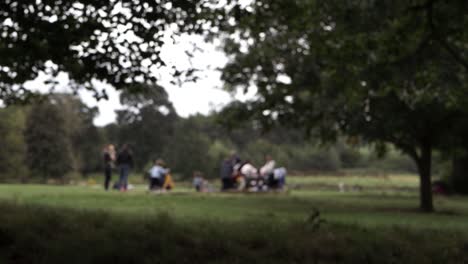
<point x="371" y="220"/>
<point x="38" y="234"/>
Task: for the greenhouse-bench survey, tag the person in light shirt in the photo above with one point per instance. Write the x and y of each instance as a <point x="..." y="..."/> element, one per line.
<point x="267" y="169"/>
<point x="157" y="175"/>
<point x="248" y="170"/>
<point x="276" y="177"/>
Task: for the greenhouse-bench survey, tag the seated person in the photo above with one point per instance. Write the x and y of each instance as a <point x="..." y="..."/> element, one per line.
<point x="157" y="175"/>
<point x="267" y="170"/>
<point x="198" y="181"/>
<point x="278" y="178"/>
<point x="248" y="170"/>
<point x="247" y="173"/>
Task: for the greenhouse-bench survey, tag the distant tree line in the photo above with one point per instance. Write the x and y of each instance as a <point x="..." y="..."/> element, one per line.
<point x="48" y="139"/>
<point x="56" y="136"/>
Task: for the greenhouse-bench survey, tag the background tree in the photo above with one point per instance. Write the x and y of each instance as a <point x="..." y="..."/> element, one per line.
<point x="12" y="155"/>
<point x="48" y="153"/>
<point x="146" y="123"/>
<point x="90" y="151"/>
<point x="83" y="137"/>
<point x="188" y="151"/>
<point x="457" y="156"/>
<point x="324" y="65"/>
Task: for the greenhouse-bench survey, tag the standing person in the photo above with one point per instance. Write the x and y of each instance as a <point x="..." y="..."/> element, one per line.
<point x="226" y="174"/>
<point x="125" y="163"/>
<point x="227" y="171"/>
<point x="157" y="175"/>
<point x="109" y="159"/>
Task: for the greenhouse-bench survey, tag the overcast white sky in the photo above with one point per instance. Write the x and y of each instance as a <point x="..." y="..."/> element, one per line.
<point x="190" y="98"/>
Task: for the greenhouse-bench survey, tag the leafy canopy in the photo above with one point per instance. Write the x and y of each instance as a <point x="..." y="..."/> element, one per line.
<point x="116" y="42"/>
<point x="387" y="71"/>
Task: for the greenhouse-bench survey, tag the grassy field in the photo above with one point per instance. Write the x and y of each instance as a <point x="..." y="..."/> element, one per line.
<point x="357" y="214"/>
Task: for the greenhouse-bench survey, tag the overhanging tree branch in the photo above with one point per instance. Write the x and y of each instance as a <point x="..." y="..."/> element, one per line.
<point x="440" y="39"/>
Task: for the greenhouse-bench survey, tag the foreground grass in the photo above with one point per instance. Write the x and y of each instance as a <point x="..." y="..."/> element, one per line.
<point x="38" y="234"/>
<point x="378" y="223"/>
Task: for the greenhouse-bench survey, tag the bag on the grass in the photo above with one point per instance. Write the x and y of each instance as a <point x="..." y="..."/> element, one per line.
<point x="168" y="182"/>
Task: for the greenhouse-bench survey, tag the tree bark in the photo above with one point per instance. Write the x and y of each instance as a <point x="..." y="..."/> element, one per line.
<point x="425" y="185"/>
<point x="458" y="177"/>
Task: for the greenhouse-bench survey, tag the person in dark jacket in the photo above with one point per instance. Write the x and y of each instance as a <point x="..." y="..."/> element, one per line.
<point x="125" y="163"/>
<point x="226" y="174"/>
<point x="109" y="159"/>
<point x="227" y="170"/>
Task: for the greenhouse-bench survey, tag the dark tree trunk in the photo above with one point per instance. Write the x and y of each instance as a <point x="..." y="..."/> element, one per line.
<point x="459" y="176"/>
<point x="425" y="186"/>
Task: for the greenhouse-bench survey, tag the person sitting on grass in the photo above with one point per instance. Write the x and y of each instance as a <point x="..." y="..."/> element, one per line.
<point x="248" y="170"/>
<point x="198" y="181"/>
<point x="279" y="178"/>
<point x="201" y="184"/>
<point x="266" y="170"/>
<point x="157" y="175"/>
<point x="245" y="173"/>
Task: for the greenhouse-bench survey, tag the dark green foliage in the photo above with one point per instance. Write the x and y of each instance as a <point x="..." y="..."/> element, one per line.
<point x="459" y="177"/>
<point x="350" y="156"/>
<point x="189" y="152"/>
<point x="111" y="41"/>
<point x="146" y="124"/>
<point x="72" y="133"/>
<point x="48" y="147"/>
<point x="84" y="139"/>
<point x="89" y="151"/>
<point x="12" y="144"/>
<point x="386" y="71"/>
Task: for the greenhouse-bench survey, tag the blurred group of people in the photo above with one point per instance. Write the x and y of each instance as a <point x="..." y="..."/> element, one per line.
<point x="243" y="175"/>
<point x="159" y="175"/>
<point x="236" y="174"/>
<point x="122" y="160"/>
<point x="160" y="178"/>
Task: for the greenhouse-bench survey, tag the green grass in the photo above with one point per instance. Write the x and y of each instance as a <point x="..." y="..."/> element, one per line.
<point x="381" y="202"/>
<point x="380" y="216"/>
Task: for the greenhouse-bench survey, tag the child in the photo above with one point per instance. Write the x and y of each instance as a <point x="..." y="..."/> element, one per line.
<point x="198" y="181"/>
<point x="157" y="175"/>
